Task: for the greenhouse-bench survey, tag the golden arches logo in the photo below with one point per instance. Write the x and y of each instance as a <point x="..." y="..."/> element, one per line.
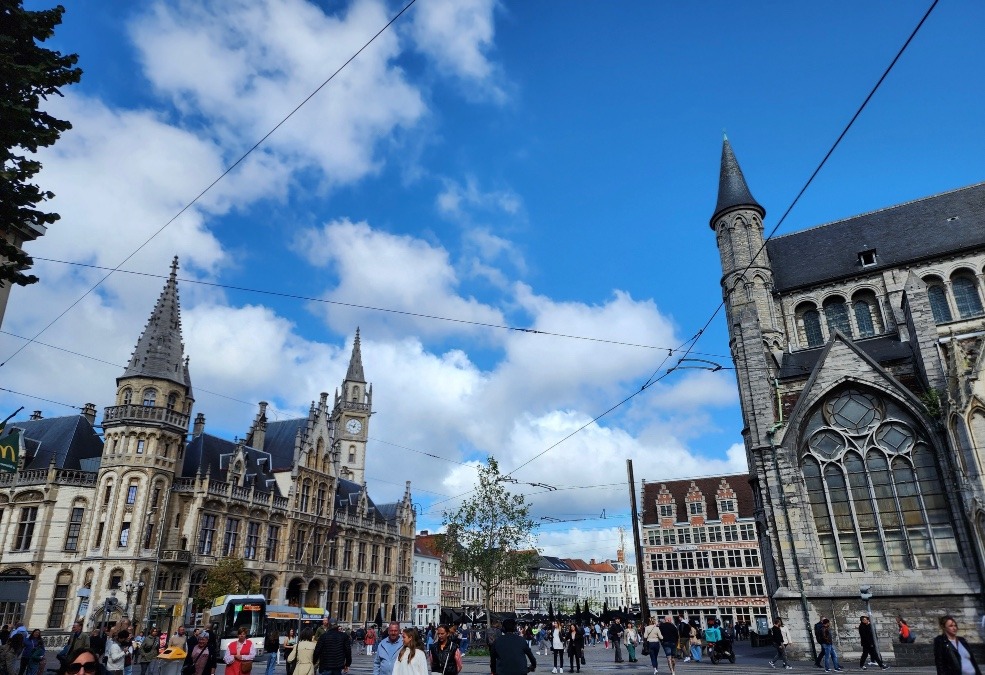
<point x="8" y="451"/>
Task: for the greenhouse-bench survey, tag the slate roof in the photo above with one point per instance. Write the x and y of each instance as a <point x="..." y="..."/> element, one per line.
<point x="278" y="440"/>
<point x="211" y="454"/>
<point x="547" y="562"/>
<point x="347" y="496"/>
<point x="745" y="502"/>
<point x="883" y="349"/>
<point x="71" y="440"/>
<point x="732" y="188"/>
<point x="926" y="228"/>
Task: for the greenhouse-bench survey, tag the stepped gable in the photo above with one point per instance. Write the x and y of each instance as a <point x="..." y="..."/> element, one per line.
<point x="709" y="489"/>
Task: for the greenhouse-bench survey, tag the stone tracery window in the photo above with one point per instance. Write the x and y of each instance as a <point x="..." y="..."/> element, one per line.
<point x="966" y="295"/>
<point x="836" y="314"/>
<point x="874" y="487"/>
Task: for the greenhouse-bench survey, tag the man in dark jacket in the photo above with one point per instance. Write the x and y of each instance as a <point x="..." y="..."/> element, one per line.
<point x="868" y="638"/>
<point x="333" y="651"/>
<point x="818" y="632"/>
<point x="510" y="653"/>
<point x="615" y="636"/>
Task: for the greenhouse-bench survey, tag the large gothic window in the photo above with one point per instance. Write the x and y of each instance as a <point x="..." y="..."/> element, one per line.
<point x="874" y="488"/>
<point x="863" y="318"/>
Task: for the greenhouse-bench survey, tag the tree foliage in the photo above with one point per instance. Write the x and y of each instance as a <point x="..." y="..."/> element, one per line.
<point x="227" y="577"/>
<point x="29" y="74"/>
<point x="490" y="535"/>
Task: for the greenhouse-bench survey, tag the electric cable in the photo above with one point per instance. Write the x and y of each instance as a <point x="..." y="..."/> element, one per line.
<point x="211" y="185"/>
<point x="353" y="305"/>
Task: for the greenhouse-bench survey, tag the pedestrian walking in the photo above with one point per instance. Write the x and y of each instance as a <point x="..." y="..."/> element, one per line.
<point x="668" y="642"/>
<point x="576" y="647"/>
<point x="653" y="638"/>
<point x="684" y="631"/>
<point x="300" y="660"/>
<point x="615" y="637"/>
<point x="630" y="637"/>
<point x="333" y="650"/>
<point x="867" y="637"/>
<point x="557" y="647"/>
<point x="271" y="645"/>
<point x="780" y="638"/>
<point x="828" y="648"/>
<point x="412" y="658"/>
<point x="510" y="653"/>
<point x="818" y="632"/>
<point x="388" y="650"/>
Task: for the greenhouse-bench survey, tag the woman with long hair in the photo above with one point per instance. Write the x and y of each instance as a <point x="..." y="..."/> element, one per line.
<point x="443" y="654"/>
<point x="301" y="659"/>
<point x="84" y="661"/>
<point x="412" y="658"/>
<point x="576" y="647"/>
<point x="558" y="638"/>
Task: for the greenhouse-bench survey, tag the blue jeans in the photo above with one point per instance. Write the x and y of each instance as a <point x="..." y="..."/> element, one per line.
<point x="654" y="648"/>
<point x="829" y="653"/>
<point x="331" y="671"/>
<point x="271" y="663"/>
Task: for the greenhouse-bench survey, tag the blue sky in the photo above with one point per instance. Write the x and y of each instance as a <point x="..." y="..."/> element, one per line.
<point x="533" y="164"/>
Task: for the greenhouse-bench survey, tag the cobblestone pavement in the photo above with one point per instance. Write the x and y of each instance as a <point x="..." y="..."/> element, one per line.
<point x="601" y="660"/>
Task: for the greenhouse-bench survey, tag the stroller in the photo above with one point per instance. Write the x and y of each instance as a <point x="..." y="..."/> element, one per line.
<point x="722" y="650"/>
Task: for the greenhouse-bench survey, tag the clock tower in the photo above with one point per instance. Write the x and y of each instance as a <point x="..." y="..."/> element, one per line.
<point x="350" y="418"/>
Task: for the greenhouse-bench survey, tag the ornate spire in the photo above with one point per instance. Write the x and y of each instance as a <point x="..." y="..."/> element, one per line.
<point x="159" y="353"/>
<point x="732" y="188"/>
<point x="355" y="373"/>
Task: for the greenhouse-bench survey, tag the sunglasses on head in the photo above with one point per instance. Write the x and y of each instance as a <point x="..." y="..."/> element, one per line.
<point x="89" y="667"/>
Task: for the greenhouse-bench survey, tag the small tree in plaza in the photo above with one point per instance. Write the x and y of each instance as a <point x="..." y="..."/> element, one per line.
<point x="226" y="577"/>
<point x="490" y="535"/>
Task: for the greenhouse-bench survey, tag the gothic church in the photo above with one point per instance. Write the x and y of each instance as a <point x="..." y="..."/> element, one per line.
<point x="858" y="349"/>
<point x="141" y="514"/>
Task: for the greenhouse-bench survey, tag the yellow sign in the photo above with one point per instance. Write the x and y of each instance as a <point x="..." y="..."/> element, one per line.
<point x="10" y="446"/>
<point x="179" y="611"/>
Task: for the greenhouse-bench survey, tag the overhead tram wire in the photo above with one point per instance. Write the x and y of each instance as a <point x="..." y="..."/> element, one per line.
<point x="39" y="398"/>
<point x="776" y="227"/>
<point x="401" y="312"/>
<point x="210" y="185"/>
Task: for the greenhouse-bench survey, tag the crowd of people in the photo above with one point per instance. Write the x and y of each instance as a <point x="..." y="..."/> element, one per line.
<point x="328" y="650"/>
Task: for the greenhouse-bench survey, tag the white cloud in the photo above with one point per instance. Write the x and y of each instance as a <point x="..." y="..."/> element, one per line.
<point x="458" y="36"/>
<point x="457" y="200"/>
<point x="397" y="272"/>
<point x="243" y="65"/>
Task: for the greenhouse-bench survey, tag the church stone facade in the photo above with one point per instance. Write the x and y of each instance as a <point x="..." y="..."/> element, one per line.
<point x="141" y="514"/>
<point x="858" y="349"/>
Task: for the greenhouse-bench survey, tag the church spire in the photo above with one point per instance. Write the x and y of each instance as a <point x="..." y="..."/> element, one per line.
<point x="732" y="188"/>
<point x="159" y="353"/>
<point x="355" y="373"/>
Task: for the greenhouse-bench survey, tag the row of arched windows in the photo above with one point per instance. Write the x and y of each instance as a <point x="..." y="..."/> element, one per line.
<point x="150" y="398"/>
<point x="957" y="298"/>
<point x="859" y="318"/>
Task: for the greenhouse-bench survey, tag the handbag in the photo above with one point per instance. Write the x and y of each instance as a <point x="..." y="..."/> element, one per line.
<point x="646" y="649"/>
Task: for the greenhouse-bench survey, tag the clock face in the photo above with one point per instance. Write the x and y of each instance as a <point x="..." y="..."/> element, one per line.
<point x="353" y="426"/>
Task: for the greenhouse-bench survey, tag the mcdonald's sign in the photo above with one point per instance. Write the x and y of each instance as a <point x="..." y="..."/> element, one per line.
<point x="10" y="448"/>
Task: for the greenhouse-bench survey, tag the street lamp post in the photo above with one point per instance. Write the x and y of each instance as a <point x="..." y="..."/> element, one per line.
<point x="130" y="588"/>
<point x="865" y="592"/>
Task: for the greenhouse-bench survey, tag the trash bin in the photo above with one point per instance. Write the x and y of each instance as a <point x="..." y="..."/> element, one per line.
<point x="170" y="661"/>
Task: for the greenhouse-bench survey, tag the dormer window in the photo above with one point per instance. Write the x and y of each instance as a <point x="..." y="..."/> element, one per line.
<point x="667" y="511"/>
<point x="696" y="508"/>
<point x="726" y="505"/>
<point x="867" y="257"/>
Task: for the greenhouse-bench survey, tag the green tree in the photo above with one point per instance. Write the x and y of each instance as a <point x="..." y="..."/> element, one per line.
<point x="29" y="74"/>
<point x="490" y="535"/>
<point x="227" y="577"/>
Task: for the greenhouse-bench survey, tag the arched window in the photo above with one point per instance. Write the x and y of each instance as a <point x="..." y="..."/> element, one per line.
<point x="812" y="328"/>
<point x="863" y="318"/>
<point x="150" y="396"/>
<point x="403" y="603"/>
<point x="355" y="394"/>
<point x="127" y="396"/>
<point x="267" y="587"/>
<point x="966" y="296"/>
<point x="172" y="400"/>
<point x="305" y="496"/>
<point x="359" y="603"/>
<point x="329" y="595"/>
<point x="938" y="301"/>
<point x="836" y="314"/>
<point x="874" y="487"/>
<point x="343" y="612"/>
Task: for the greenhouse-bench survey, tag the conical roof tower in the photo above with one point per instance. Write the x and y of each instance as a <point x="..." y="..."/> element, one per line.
<point x="355" y="372"/>
<point x="732" y="188"/>
<point x="159" y="353"/>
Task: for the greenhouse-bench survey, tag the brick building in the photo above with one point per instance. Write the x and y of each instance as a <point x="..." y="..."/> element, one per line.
<point x="700" y="551"/>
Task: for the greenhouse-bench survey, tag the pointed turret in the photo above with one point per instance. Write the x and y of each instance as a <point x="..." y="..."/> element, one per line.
<point x="732" y="188"/>
<point x="355" y="373"/>
<point x="159" y="353"/>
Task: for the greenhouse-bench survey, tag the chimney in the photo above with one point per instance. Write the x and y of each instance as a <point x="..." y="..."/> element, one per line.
<point x="36" y="415"/>
<point x="199" y="428"/>
<point x="424" y="533"/>
<point x="89" y="412"/>
<point x="621" y="556"/>
<point x="592" y="561"/>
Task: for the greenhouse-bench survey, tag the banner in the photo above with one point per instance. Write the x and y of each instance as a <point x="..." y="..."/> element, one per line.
<point x="10" y="451"/>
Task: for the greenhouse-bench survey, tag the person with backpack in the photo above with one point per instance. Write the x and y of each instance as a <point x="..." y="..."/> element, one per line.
<point x="780" y="638"/>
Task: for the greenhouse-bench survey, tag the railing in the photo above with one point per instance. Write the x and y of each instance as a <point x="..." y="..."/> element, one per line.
<point x="146" y="413"/>
<point x="176" y="556"/>
<point x="352" y="405"/>
<point x="74" y="477"/>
